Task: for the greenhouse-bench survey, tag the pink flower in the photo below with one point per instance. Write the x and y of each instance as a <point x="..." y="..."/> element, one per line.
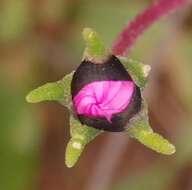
<point x="103" y="98"/>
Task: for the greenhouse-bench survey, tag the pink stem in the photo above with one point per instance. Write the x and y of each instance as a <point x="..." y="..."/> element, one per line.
<point x="135" y="28"/>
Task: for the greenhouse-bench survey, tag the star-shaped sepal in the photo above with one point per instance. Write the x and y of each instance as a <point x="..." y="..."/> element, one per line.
<point x="138" y="127"/>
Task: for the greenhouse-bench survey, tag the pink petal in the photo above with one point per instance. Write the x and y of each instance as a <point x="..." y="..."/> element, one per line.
<point x="104" y="98"/>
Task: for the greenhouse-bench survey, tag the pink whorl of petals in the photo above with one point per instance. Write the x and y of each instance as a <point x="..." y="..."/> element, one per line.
<point x="103" y="98"/>
<point x="141" y="22"/>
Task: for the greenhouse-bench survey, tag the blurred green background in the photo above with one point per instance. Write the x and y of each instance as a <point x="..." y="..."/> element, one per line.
<point x="40" y="41"/>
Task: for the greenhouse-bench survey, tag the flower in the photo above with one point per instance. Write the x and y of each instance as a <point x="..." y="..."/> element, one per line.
<point x="104" y="95"/>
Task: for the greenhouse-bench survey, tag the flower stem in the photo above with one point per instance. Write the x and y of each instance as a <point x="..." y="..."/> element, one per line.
<point x="126" y="39"/>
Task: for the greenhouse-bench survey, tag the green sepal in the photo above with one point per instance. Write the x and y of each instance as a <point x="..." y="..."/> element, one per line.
<point x="138" y="71"/>
<point x="95" y="50"/>
<point x="139" y="128"/>
<point x="81" y="135"/>
<point x="73" y="151"/>
<point x="66" y="81"/>
<point x="58" y="91"/>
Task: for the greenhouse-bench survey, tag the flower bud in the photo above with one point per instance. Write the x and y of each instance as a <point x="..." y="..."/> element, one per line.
<point x="104" y="95"/>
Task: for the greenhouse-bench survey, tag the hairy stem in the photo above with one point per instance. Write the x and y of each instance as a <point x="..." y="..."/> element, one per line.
<point x="135" y="28"/>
